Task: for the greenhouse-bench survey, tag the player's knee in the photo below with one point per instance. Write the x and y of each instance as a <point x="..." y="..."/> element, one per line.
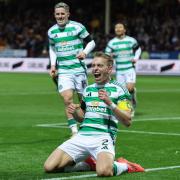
<point x="131" y="89"/>
<point x="104" y="171"/>
<point x="67" y="100"/>
<point x="48" y="168"/>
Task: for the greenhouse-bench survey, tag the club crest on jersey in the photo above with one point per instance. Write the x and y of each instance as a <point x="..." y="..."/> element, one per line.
<point x="95" y="103"/>
<point x="63" y="43"/>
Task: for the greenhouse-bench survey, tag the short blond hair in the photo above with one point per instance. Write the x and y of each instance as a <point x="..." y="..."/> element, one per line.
<point x="62" y="5"/>
<point x="109" y="59"/>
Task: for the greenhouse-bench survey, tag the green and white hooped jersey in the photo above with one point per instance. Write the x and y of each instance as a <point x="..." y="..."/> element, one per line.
<point x="122" y="51"/>
<point x="67" y="43"/>
<point x="99" y="118"/>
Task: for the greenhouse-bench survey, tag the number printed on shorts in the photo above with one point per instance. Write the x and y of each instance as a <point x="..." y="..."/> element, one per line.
<point x="84" y="84"/>
<point x="104" y="144"/>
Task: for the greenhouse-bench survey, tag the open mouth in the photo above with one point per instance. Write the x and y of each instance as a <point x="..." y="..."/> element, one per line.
<point x="97" y="75"/>
<point x="60" y="20"/>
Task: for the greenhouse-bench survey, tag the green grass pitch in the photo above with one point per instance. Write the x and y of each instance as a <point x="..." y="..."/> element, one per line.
<point x="28" y="100"/>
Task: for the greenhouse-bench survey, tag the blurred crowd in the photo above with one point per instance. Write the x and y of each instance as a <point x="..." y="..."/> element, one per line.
<point x="155" y="24"/>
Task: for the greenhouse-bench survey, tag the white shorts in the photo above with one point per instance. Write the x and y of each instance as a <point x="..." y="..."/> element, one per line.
<point x="81" y="146"/>
<point x="76" y="82"/>
<point x="128" y="77"/>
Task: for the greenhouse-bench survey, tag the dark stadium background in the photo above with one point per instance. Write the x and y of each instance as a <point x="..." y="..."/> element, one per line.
<point x="154" y="23"/>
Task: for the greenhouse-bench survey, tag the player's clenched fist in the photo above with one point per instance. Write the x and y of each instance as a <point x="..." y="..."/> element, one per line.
<point x="102" y="94"/>
<point x="72" y="108"/>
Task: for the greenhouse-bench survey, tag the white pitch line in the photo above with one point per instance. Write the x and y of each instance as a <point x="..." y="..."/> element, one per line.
<point x="54" y="125"/>
<point x="73" y="177"/>
<point x="135" y="120"/>
<point x="161" y="168"/>
<point x="123" y="131"/>
<point x="2" y="93"/>
<point x="158" y="90"/>
<point x="157" y="119"/>
<point x="94" y="175"/>
<point x="64" y="125"/>
<point x="149" y="132"/>
<point x="26" y="93"/>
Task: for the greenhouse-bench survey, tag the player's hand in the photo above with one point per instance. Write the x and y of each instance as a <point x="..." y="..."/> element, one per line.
<point x="134" y="61"/>
<point x="102" y="94"/>
<point x="73" y="107"/>
<point x="53" y="71"/>
<point x="81" y="55"/>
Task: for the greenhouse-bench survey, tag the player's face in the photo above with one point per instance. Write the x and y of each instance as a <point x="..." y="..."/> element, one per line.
<point x="61" y="16"/>
<point x="120" y="30"/>
<point x="101" y="70"/>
